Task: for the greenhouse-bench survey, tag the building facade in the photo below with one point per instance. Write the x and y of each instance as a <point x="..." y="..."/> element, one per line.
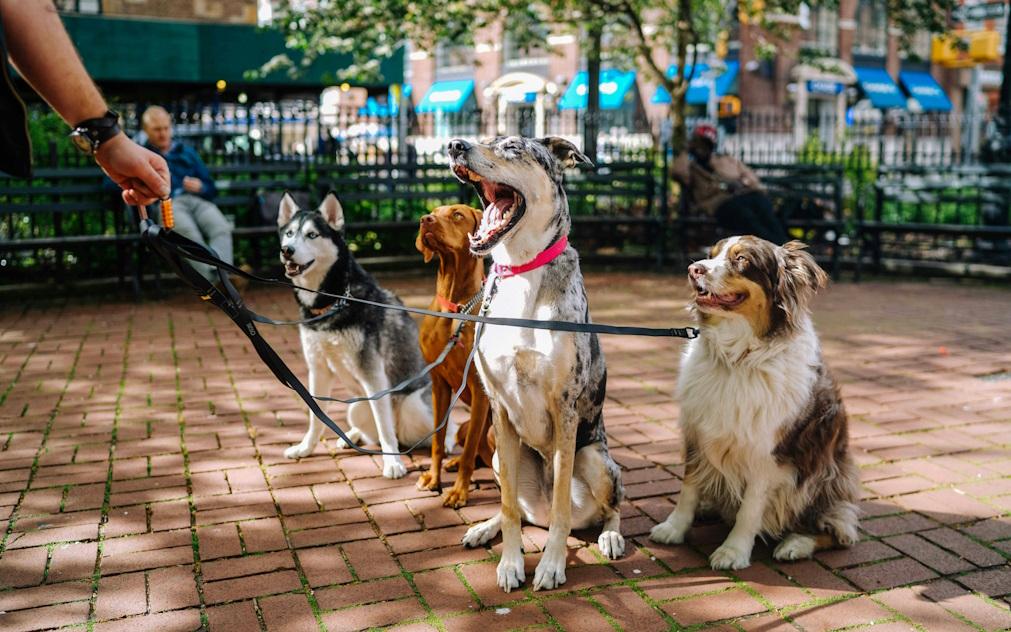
<point x="827" y="63"/>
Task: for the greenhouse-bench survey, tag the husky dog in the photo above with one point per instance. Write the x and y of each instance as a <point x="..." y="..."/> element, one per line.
<point x="546" y="388"/>
<point x="368" y="348"/>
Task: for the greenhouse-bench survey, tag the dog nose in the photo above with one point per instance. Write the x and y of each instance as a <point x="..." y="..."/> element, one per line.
<point x="287" y="252"/>
<point x="697" y="270"/>
<point x="428" y="219"/>
<point x="457" y="147"/>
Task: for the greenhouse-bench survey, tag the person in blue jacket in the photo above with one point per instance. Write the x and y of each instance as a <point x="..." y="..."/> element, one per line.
<point x="193" y="190"/>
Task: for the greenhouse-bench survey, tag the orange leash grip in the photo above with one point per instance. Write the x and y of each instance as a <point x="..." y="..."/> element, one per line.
<point x="168" y="220"/>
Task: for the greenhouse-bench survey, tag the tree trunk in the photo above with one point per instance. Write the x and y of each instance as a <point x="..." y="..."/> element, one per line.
<point x="679" y="94"/>
<point x="591" y="116"/>
<point x="1004" y="105"/>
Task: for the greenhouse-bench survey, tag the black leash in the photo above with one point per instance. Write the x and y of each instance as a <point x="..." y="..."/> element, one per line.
<point x="175" y="249"/>
<point x="196" y="252"/>
<point x="168" y="246"/>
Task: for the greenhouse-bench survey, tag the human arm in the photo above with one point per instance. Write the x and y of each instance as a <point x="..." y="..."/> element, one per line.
<point x="43" y="54"/>
<point x="207" y="188"/>
<point x="679" y="169"/>
<point x="748" y="178"/>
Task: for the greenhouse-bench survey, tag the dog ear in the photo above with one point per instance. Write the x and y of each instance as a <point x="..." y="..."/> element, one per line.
<point x="800" y="278"/>
<point x="567" y="154"/>
<point x="286" y="209"/>
<point x="423" y="248"/>
<point x="332" y="211"/>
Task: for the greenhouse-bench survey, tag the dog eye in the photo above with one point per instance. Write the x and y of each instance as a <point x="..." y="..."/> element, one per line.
<point x="742" y="258"/>
<point x="289" y="233"/>
<point x="457" y="216"/>
<point x="312" y="235"/>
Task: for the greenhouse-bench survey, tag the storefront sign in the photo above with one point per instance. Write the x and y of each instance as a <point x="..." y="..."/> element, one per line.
<point x="830" y="88"/>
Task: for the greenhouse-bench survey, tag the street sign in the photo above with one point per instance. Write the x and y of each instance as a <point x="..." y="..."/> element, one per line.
<point x="976" y="12"/>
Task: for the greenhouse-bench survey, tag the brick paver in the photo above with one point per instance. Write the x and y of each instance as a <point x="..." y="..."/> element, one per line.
<point x="143" y="485"/>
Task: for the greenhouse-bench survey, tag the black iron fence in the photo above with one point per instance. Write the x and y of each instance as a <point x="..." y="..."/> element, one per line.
<point x="848" y="186"/>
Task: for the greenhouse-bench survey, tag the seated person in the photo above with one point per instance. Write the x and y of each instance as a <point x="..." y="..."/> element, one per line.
<point x="724" y="187"/>
<point x="193" y="190"/>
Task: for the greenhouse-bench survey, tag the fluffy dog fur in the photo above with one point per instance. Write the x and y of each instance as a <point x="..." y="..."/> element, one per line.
<point x="443" y="234"/>
<point x="546" y="388"/>
<point x="368" y="348"/>
<point x="765" y="431"/>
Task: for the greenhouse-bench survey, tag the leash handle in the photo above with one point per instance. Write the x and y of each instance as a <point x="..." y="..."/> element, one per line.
<point x="168" y="220"/>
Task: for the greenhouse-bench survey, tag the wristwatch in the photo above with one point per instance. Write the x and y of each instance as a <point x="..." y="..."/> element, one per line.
<point x="89" y="135"/>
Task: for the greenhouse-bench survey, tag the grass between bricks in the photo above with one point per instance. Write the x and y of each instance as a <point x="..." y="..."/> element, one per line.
<point x="45" y="436"/>
<point x="198" y="577"/>
<point x="107" y="496"/>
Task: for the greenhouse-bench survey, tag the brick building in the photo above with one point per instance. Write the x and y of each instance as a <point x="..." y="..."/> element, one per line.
<point x="829" y="60"/>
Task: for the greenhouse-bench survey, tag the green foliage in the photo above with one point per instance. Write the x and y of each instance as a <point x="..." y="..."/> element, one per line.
<point x="859" y="169"/>
<point x="48" y="134"/>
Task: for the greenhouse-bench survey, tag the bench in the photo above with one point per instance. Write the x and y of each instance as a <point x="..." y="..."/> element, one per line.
<point x="65" y="222"/>
<point x="807" y="198"/>
<point x="958" y="215"/>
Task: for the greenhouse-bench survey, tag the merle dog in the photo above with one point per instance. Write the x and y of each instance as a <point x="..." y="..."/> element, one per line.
<point x="546" y="388"/>
<point x="368" y="348"/>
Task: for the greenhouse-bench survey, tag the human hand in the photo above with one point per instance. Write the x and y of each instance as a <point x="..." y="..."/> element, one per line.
<point x="141" y="173"/>
<point x="193" y="185"/>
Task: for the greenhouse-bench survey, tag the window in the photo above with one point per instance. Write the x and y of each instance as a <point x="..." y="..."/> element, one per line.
<point x="871" y="36"/>
<point x="536" y="54"/>
<point x="453" y="61"/>
<point x="823" y="34"/>
<point x="80" y="6"/>
<point x="919" y="47"/>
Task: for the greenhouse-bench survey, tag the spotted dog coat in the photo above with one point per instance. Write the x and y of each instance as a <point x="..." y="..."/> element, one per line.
<point x="546" y="388"/>
<point x="368" y="348"/>
<point x="765" y="431"/>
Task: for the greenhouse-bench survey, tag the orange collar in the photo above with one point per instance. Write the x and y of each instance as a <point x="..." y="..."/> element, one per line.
<point x="447" y="304"/>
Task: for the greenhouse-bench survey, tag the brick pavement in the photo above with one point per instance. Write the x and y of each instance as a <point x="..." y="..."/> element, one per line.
<point x="143" y="484"/>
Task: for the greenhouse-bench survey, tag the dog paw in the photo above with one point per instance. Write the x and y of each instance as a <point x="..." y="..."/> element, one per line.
<point x="667" y="533"/>
<point x="298" y="451"/>
<point x="456" y="496"/>
<point x="430" y="480"/>
<point x="510" y="572"/>
<point x="611" y="544"/>
<point x="393" y="467"/>
<point x="550" y="571"/>
<point x="795" y="547"/>
<point x="452" y="464"/>
<point x="481" y="533"/>
<point x="354" y="437"/>
<point x="728" y="557"/>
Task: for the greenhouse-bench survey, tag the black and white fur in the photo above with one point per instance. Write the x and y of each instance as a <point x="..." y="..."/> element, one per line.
<point x="368" y="348"/>
<point x="546" y="388"/>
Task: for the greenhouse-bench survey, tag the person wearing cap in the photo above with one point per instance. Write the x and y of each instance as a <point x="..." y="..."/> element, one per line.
<point x="722" y="186"/>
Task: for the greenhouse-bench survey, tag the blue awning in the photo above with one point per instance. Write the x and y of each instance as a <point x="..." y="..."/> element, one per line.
<point x="698" y="87"/>
<point x="922" y="87"/>
<point x="880" y="88"/>
<point x="373" y="107"/>
<point x="615" y="86"/>
<point x="446" y="96"/>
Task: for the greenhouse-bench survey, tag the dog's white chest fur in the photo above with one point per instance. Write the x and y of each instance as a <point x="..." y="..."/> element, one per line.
<point x="339" y="350"/>
<point x="738" y="392"/>
<point x="520" y="366"/>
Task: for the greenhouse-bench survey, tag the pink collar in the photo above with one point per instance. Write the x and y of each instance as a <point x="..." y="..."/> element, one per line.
<point x="547" y="255"/>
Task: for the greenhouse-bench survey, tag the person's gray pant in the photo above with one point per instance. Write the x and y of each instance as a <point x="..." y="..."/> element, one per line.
<point x="203" y="222"/>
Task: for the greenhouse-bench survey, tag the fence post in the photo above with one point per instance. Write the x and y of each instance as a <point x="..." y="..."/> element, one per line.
<point x="664" y="207"/>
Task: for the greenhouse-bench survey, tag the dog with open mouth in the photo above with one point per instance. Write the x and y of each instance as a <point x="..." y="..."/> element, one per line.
<point x="765" y="430"/>
<point x="368" y="348"/>
<point x="546" y="388"/>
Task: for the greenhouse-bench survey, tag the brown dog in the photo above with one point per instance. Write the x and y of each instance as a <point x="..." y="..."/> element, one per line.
<point x="444" y="232"/>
